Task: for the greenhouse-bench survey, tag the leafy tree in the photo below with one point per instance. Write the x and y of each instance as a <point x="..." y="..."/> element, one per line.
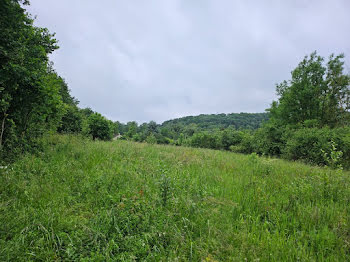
<point x="317" y="92"/>
<point x="132" y="129"/>
<point x="152" y="127"/>
<point x="30" y="103"/>
<point x="165" y="131"/>
<point x="190" y="129"/>
<point x="115" y="128"/>
<point x="100" y="127"/>
<point x="151" y="139"/>
<point x="121" y="127"/>
<point x="71" y="121"/>
<point x="87" y="112"/>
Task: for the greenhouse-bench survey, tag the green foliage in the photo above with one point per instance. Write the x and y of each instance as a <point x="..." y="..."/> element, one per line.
<point x="151" y="139"/>
<point x="116" y="128"/>
<point x="307" y="144"/>
<point x="205" y="140"/>
<point x="86" y="112"/>
<point x="100" y="127"/>
<point x="333" y="158"/>
<point x="211" y="122"/>
<point x="318" y="146"/>
<point x="229" y="137"/>
<point x="246" y="143"/>
<point x="125" y="201"/>
<point x="317" y="92"/>
<point x="33" y="96"/>
<point x="71" y="121"/>
<point x="311" y="105"/>
<point x="131" y="128"/>
<point x="269" y="139"/>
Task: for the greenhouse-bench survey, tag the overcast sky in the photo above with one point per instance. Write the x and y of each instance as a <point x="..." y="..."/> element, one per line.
<point x="162" y="59"/>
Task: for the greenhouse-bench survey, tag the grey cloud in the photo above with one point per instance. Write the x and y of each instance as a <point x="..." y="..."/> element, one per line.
<point x="157" y="60"/>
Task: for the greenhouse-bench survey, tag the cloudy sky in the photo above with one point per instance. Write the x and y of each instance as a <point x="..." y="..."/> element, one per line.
<point x="162" y="59"/>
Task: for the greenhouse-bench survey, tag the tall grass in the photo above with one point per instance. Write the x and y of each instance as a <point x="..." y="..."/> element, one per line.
<point x="124" y="201"/>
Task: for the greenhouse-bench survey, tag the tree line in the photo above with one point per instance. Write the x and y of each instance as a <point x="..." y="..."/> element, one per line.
<point x="34" y="99"/>
<point x="309" y="121"/>
<point x="221" y="121"/>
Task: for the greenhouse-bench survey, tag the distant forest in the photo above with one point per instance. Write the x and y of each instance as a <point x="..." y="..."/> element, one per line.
<point x="214" y="121"/>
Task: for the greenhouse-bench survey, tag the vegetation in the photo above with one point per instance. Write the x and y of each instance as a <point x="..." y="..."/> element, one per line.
<point x="317" y="94"/>
<point x="65" y="194"/>
<point x="312" y="113"/>
<point x="215" y="121"/>
<point x="312" y="110"/>
<point x="30" y="101"/>
<point x="100" y="127"/>
<point x="34" y="99"/>
<point x="98" y="201"/>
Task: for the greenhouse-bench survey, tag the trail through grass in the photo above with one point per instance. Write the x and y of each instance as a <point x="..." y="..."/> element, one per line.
<point x="122" y="201"/>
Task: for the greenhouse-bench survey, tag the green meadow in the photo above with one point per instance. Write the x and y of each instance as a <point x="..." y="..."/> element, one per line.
<point x="81" y="200"/>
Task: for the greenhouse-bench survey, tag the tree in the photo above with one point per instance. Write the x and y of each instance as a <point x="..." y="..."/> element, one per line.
<point x="317" y="92"/>
<point x="115" y="128"/>
<point x="151" y="139"/>
<point x="100" y="127"/>
<point x="190" y="129"/>
<point x="87" y="112"/>
<point x="30" y="103"/>
<point x="71" y="121"/>
<point x="152" y="127"/>
<point x="132" y="129"/>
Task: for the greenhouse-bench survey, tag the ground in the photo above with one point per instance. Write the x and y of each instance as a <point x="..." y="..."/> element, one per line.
<point x="125" y="201"/>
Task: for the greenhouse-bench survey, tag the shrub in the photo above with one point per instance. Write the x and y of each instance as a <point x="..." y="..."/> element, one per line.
<point x="205" y="140"/>
<point x="246" y="144"/>
<point x="269" y="140"/>
<point x="311" y="144"/>
<point x="151" y="139"/>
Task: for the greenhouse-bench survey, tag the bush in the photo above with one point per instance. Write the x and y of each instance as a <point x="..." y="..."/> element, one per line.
<point x="151" y="139"/>
<point x="269" y="139"/>
<point x="311" y="144"/>
<point x="246" y="145"/>
<point x="205" y="140"/>
<point x="230" y="138"/>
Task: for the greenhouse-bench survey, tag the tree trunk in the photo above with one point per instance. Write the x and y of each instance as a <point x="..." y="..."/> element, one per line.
<point x="2" y="129"/>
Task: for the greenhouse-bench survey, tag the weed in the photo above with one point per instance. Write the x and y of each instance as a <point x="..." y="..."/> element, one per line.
<point x="165" y="189"/>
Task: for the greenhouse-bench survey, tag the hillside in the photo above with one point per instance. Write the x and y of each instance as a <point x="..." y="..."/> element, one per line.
<point x="214" y="121"/>
<point x="127" y="201"/>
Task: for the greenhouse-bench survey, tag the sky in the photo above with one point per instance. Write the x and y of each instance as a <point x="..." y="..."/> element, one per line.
<point x="143" y="60"/>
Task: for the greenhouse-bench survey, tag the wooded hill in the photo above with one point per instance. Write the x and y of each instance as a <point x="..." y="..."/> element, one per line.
<point x="214" y="121"/>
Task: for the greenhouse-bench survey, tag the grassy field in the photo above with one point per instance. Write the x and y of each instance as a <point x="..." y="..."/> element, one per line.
<point x="123" y="201"/>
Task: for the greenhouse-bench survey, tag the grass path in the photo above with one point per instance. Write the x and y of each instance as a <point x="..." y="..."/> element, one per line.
<point x="124" y="201"/>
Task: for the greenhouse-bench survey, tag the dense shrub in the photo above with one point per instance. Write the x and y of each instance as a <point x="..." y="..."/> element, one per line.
<point x="230" y="138"/>
<point x="205" y="140"/>
<point x="246" y="144"/>
<point x="311" y="144"/>
<point x="151" y="139"/>
<point x="269" y="140"/>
